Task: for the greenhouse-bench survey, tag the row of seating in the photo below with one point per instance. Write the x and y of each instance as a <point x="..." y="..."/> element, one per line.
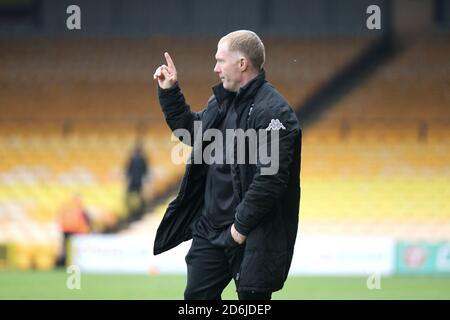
<point x="112" y="79"/>
<point x="29" y="244"/>
<point x="352" y="131"/>
<point x="413" y="85"/>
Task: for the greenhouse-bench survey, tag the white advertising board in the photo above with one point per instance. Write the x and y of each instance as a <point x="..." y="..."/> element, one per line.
<point x="316" y="255"/>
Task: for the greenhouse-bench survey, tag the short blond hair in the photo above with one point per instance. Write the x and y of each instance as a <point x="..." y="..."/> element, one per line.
<point x="249" y="44"/>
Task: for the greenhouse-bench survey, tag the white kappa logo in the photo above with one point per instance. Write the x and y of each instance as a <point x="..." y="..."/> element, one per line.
<point x="275" y="124"/>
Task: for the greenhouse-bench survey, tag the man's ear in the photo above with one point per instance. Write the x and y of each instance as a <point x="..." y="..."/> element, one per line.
<point x="243" y="64"/>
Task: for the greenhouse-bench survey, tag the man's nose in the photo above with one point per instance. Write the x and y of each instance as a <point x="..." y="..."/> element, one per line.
<point x="216" y="68"/>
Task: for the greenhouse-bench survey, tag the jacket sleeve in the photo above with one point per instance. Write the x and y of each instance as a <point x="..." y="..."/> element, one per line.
<point x="177" y="112"/>
<point x="266" y="189"/>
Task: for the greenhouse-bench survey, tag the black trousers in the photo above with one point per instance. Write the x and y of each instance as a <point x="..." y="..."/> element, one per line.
<point x="211" y="267"/>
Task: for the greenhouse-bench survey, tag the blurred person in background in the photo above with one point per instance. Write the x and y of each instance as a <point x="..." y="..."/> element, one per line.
<point x="137" y="172"/>
<point x="73" y="219"/>
<point x="243" y="223"/>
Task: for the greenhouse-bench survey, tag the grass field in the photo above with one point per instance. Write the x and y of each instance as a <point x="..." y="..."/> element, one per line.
<point x="52" y="285"/>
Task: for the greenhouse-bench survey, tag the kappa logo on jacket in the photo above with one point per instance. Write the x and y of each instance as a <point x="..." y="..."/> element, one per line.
<point x="275" y="124"/>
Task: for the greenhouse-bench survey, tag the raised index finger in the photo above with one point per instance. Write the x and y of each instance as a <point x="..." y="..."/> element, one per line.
<point x="169" y="60"/>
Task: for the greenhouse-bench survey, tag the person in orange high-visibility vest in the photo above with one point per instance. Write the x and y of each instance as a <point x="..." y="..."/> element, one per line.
<point x="72" y="219"/>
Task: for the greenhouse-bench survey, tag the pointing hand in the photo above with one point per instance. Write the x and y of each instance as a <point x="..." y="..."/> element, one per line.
<point x="166" y="75"/>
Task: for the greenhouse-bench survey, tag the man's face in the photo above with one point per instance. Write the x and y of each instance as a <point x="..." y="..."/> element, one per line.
<point x="228" y="67"/>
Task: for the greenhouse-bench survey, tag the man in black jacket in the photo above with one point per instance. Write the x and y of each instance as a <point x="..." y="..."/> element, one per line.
<point x="241" y="215"/>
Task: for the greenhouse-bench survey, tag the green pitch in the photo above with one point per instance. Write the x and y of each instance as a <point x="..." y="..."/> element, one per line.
<point x="52" y="285"/>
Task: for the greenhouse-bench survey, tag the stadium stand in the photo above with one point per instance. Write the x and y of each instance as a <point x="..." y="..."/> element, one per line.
<point x="58" y="75"/>
<point x="71" y="109"/>
<point x="385" y="146"/>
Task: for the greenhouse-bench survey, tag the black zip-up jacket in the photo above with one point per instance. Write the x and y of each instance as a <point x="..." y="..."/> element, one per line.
<point x="268" y="207"/>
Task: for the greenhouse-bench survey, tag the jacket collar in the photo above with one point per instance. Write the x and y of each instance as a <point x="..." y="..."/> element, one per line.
<point x="244" y="93"/>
